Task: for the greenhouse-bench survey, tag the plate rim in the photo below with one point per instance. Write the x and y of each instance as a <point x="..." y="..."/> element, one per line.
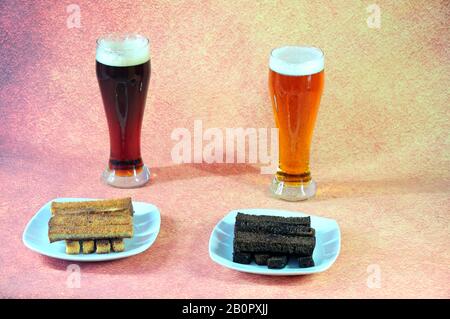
<point x="255" y="269"/>
<point x="94" y="257"/>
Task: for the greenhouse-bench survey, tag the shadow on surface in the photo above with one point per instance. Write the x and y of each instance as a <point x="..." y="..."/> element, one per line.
<point x="349" y="189"/>
<point x="189" y="171"/>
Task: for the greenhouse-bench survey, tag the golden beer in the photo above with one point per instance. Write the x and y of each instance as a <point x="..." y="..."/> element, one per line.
<point x="296" y="80"/>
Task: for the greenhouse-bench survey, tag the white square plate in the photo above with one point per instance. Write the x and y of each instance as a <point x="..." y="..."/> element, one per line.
<point x="146" y="221"/>
<point x="328" y="244"/>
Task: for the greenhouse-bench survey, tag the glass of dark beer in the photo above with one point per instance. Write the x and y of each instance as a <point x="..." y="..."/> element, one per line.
<point x="123" y="74"/>
<point x="296" y="80"/>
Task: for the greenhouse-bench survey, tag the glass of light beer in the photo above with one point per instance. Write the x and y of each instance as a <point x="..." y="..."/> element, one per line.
<point x="123" y="74"/>
<point x="296" y="80"/>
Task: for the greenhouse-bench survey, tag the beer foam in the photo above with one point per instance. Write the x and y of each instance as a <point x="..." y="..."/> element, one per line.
<point x="297" y="61"/>
<point x="126" y="50"/>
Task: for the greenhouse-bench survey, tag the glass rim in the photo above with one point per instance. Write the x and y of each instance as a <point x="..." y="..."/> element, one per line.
<point x="122" y="36"/>
<point x="322" y="54"/>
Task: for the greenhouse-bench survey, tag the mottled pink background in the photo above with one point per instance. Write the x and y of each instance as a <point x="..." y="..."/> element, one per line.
<point x="380" y="152"/>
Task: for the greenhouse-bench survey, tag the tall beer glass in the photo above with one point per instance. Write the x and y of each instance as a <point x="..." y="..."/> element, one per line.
<point x="123" y="74"/>
<point x="296" y="79"/>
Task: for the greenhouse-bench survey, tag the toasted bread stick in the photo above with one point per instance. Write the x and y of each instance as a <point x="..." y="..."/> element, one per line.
<point x="72" y="247"/>
<point x="305" y="221"/>
<point x="242" y="258"/>
<point x="103" y="246"/>
<point x="88" y="246"/>
<point x="92" y="219"/>
<point x="87" y="232"/>
<point x="117" y="244"/>
<point x="273" y="228"/>
<point x="277" y="244"/>
<point x="106" y="205"/>
<point x="304" y="262"/>
<point x="277" y="262"/>
<point x="261" y="259"/>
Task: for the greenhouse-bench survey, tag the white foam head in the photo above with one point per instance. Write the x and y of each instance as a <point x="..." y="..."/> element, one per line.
<point x="296" y="61"/>
<point x="123" y="50"/>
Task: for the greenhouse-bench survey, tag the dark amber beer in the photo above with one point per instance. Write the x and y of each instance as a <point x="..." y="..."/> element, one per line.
<point x="123" y="74"/>
<point x="296" y="80"/>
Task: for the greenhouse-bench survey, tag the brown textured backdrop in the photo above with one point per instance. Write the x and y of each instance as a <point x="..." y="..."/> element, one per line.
<point x="380" y="152"/>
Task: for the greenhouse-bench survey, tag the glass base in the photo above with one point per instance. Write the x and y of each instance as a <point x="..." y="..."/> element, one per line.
<point x="292" y="191"/>
<point x="136" y="178"/>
